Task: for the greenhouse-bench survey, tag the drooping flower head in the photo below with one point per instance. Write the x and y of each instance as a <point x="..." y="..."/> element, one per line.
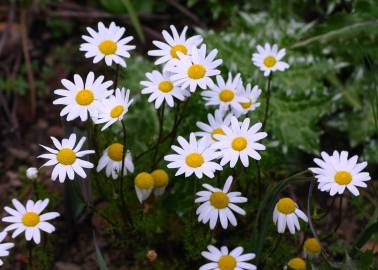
<point x="161" y="181"/>
<point x="143" y="183"/>
<point x="252" y="95"/>
<point x="312" y="246"/>
<point x="296" y="264"/>
<point x="286" y="213"/>
<point x="268" y="59"/>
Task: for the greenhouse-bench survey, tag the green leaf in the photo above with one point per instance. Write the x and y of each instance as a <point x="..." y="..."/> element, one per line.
<point x="134" y="18"/>
<point x="100" y="259"/>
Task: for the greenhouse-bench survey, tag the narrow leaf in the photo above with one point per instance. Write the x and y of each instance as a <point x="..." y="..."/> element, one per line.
<point x="134" y="18"/>
<point x="100" y="259"/>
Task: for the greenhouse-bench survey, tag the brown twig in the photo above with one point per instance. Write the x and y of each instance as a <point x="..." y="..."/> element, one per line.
<point x="186" y="12"/>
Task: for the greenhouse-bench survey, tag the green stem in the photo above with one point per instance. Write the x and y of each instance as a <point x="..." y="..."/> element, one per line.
<point x="30" y="248"/>
<point x="161" y="123"/>
<point x="267" y="101"/>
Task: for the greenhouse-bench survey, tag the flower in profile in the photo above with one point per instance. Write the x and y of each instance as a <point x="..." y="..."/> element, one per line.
<point x="251" y="94"/>
<point x="296" y="264"/>
<point x="286" y="213"/>
<point x="111" y="160"/>
<point x="4" y="247"/>
<point x="79" y="98"/>
<point x="161" y="88"/>
<point x="239" y="141"/>
<point x="32" y="173"/>
<point x="161" y="181"/>
<point x="219" y="203"/>
<point x="337" y="173"/>
<point x="113" y="108"/>
<point x="29" y="219"/>
<point x="312" y="246"/>
<point x="174" y="43"/>
<point x="66" y="158"/>
<point x="224" y="94"/>
<point x="144" y="183"/>
<point x="214" y="126"/>
<point x="107" y="43"/>
<point x="191" y="71"/>
<point x="222" y="259"/>
<point x="268" y="59"/>
<point x="193" y="157"/>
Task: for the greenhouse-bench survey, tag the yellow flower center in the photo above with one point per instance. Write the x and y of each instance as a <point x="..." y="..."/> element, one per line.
<point x="226" y="95"/>
<point x="144" y="180"/>
<point x="312" y="246"/>
<point x="194" y="160"/>
<point x="115" y="151"/>
<point x="239" y="143"/>
<point x="227" y="262"/>
<point x="215" y="132"/>
<point x="66" y="156"/>
<point x="297" y="264"/>
<point x="178" y="48"/>
<point x="160" y="177"/>
<point x="108" y="47"/>
<point x="246" y="105"/>
<point x="219" y="200"/>
<point x="343" y="177"/>
<point x="196" y="71"/>
<point x="286" y="206"/>
<point x="165" y="86"/>
<point x="270" y="61"/>
<point x="84" y="97"/>
<point x="117" y="111"/>
<point x="30" y="219"/>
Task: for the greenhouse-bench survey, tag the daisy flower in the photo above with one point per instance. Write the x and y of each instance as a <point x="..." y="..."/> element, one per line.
<point x="113" y="108"/>
<point x="32" y="173"/>
<point x="107" y="43"/>
<point x="224" y="94"/>
<point x="222" y="259"/>
<point x="217" y="202"/>
<point x="312" y="246"/>
<point x="268" y="59"/>
<point x="296" y="264"/>
<point x="195" y="69"/>
<point x="251" y="94"/>
<point x="4" y="247"/>
<point x="161" y="181"/>
<point x="193" y="157"/>
<point x="79" y="98"/>
<point x="29" y="219"/>
<point x="214" y="126"/>
<point x="143" y="183"/>
<point x="66" y="158"/>
<point x="336" y="173"/>
<point x="174" y="43"/>
<point x="239" y="141"/>
<point x="161" y="88"/>
<point x="286" y="213"/>
<point x="111" y="160"/>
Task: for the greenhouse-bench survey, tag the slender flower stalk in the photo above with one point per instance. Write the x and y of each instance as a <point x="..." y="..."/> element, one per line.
<point x="267" y="101"/>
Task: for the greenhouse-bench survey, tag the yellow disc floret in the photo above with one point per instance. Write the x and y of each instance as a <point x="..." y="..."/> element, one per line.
<point x="165" y="86"/>
<point x="178" y="48"/>
<point x="196" y="71"/>
<point x="216" y="132"/>
<point x="107" y="47"/>
<point x="312" y="246"/>
<point x="194" y="160"/>
<point x="286" y="206"/>
<point x="219" y="200"/>
<point x="226" y="95"/>
<point x="144" y="180"/>
<point x="297" y="264"/>
<point x="117" y="111"/>
<point x="343" y="177"/>
<point x="115" y="151"/>
<point x="84" y="97"/>
<point x="246" y="105"/>
<point x="161" y="178"/>
<point x="66" y="156"/>
<point x="239" y="143"/>
<point x="270" y="61"/>
<point x="30" y="219"/>
<point x="227" y="262"/>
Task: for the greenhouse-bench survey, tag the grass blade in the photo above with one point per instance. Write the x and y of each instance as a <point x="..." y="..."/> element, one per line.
<point x="134" y="19"/>
<point x="100" y="259"/>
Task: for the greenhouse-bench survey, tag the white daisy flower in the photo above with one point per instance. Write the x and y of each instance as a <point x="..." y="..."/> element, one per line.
<point x="268" y="59"/>
<point x="4" y="247"/>
<point x="336" y="173"/>
<point x="161" y="181"/>
<point x="222" y="259"/>
<point x="174" y="43"/>
<point x="193" y="157"/>
<point x="107" y="43"/>
<point x="224" y="94"/>
<point x="143" y="183"/>
<point x="251" y="94"/>
<point x="79" y="97"/>
<point x="217" y="202"/>
<point x="66" y="158"/>
<point x="113" y="108"/>
<point x="239" y="141"/>
<point x="216" y="122"/>
<point x="29" y="219"/>
<point x="32" y="173"/>
<point x="111" y="160"/>
<point x="196" y="69"/>
<point x="161" y="88"/>
<point x="286" y="213"/>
